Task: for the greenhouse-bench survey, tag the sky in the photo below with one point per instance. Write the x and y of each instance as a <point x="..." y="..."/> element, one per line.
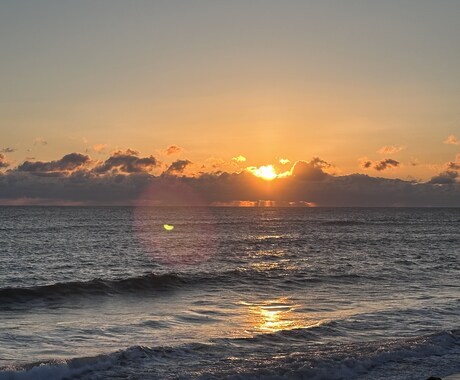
<point x="201" y="89"/>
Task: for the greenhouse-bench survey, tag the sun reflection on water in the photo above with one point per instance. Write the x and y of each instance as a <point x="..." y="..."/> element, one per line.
<point x="276" y="315"/>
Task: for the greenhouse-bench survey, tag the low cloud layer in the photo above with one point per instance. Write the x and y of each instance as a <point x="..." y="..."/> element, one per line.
<point x="126" y="178"/>
<point x="449" y="177"/>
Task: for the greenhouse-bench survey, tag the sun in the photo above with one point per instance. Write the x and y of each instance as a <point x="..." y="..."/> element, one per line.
<point x="267" y="172"/>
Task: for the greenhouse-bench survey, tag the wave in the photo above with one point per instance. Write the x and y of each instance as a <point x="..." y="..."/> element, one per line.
<point x="93" y="287"/>
<point x="345" y="223"/>
<point x="275" y="277"/>
<point x="417" y="358"/>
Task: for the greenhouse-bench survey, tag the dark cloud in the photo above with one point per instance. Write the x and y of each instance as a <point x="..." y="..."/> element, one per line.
<point x="385" y="164"/>
<point x="448" y="177"/>
<point x="453" y="166"/>
<point x="319" y="163"/>
<point x="173" y="149"/>
<point x="3" y="161"/>
<point x="80" y="186"/>
<point x="127" y="162"/>
<point x="308" y="185"/>
<point x="7" y="150"/>
<point x="69" y="162"/>
<point x="310" y="171"/>
<point x="352" y="190"/>
<point x="177" y="167"/>
<point x="366" y="164"/>
<point x="382" y="165"/>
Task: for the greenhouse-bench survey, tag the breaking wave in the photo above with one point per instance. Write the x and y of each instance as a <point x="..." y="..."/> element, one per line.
<point x="210" y="361"/>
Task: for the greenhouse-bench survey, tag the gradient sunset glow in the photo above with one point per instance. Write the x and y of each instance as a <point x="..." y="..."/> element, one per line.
<point x="271" y="89"/>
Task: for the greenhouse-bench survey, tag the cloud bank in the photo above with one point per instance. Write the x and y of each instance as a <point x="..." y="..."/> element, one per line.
<point x="125" y="178"/>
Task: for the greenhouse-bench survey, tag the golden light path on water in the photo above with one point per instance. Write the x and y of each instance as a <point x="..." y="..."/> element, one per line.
<point x="276" y="315"/>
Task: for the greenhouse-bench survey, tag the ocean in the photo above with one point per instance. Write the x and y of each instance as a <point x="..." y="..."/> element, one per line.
<point x="229" y="293"/>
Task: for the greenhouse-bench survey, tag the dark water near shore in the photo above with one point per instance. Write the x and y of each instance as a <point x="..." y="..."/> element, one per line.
<point x="237" y="293"/>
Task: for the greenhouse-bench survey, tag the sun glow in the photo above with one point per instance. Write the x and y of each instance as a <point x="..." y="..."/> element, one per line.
<point x="267" y="172"/>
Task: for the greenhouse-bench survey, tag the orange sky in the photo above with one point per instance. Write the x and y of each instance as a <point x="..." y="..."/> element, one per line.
<point x="354" y="84"/>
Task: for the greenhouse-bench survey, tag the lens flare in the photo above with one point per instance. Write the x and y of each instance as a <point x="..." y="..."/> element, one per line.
<point x="189" y="235"/>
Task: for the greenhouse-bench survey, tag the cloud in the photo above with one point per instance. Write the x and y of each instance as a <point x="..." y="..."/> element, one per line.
<point x="284" y="161"/>
<point x="128" y="180"/>
<point x="319" y="163"/>
<point x="225" y="188"/>
<point x="3" y="161"/>
<point x="266" y="172"/>
<point x="365" y="163"/>
<point x="99" y="148"/>
<point x="239" y="158"/>
<point x="127" y="162"/>
<point x="453" y="166"/>
<point x="40" y="141"/>
<point x="385" y="164"/>
<point x="310" y="171"/>
<point x="414" y="161"/>
<point x="69" y="162"/>
<point x="7" y="150"/>
<point x="177" y="167"/>
<point x="213" y="165"/>
<point x="452" y="140"/>
<point x="390" y="149"/>
<point x="448" y="177"/>
<point x="173" y="149"/>
<point x="382" y="165"/>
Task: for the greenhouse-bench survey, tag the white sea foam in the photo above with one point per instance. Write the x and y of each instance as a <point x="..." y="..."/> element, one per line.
<point x="347" y="361"/>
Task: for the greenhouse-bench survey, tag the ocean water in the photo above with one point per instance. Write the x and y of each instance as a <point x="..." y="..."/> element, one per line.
<point x="232" y="293"/>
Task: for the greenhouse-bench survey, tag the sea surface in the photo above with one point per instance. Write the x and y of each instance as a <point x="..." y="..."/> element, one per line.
<point x="229" y="293"/>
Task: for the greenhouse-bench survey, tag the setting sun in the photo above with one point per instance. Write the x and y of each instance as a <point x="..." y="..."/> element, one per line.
<point x="267" y="172"/>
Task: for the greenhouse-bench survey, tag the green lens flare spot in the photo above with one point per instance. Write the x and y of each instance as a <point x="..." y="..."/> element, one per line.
<point x="168" y="227"/>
